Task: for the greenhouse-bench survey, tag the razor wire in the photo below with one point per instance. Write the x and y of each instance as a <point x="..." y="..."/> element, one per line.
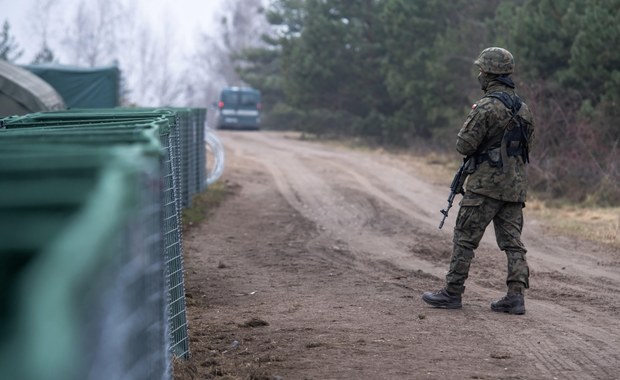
<point x="216" y="148"/>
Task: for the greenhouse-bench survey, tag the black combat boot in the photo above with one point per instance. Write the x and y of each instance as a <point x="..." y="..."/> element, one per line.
<point x="442" y="299"/>
<point x="512" y="303"/>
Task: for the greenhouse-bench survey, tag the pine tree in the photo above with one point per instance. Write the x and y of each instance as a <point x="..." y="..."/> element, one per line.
<point x="45" y="55"/>
<point x="9" y="49"/>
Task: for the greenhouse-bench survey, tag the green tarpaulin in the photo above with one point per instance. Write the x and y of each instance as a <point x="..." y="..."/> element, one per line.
<point x="97" y="87"/>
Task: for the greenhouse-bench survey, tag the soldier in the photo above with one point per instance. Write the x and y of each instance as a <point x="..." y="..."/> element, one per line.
<point x="496" y="136"/>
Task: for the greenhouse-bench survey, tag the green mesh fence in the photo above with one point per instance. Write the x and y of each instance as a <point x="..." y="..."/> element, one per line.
<point x="184" y="178"/>
<point x="79" y="229"/>
<point x="187" y="129"/>
<point x="109" y="130"/>
<point x="200" y="115"/>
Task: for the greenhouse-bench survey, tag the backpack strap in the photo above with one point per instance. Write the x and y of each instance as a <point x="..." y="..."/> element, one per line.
<point x="495" y="141"/>
<point x="513" y="103"/>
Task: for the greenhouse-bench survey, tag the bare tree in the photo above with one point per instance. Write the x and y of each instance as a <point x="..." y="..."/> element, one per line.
<point x="142" y="60"/>
<point x="240" y="25"/>
<point x="99" y="32"/>
<point x="45" y="55"/>
<point x="43" y="11"/>
<point x="154" y="68"/>
<point x="93" y="37"/>
<point x="167" y="86"/>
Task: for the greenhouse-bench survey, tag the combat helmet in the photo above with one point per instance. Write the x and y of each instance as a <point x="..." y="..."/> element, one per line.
<point x="495" y="60"/>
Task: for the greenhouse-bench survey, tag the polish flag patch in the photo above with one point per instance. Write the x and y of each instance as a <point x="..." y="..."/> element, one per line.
<point x="473" y="107"/>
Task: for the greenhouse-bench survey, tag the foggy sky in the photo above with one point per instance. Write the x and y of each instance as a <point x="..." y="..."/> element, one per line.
<point x="190" y="17"/>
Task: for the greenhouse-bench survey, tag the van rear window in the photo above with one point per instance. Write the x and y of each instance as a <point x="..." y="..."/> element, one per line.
<point x="230" y="98"/>
<point x="249" y="99"/>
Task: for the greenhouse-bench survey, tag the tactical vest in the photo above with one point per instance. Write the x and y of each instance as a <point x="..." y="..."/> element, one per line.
<point x="514" y="141"/>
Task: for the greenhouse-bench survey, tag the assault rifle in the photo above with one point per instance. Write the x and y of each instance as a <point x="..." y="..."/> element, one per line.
<point x="457" y="186"/>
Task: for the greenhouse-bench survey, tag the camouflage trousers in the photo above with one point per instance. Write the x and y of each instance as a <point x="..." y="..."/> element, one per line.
<point x="475" y="214"/>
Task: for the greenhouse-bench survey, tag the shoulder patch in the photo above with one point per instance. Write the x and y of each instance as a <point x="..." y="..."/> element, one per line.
<point x="474" y="106"/>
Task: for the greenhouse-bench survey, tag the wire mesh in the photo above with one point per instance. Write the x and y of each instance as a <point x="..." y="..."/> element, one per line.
<point x="173" y="256"/>
<point x="151" y="239"/>
<point x="201" y="115"/>
<point x="76" y="308"/>
<point x="173" y="182"/>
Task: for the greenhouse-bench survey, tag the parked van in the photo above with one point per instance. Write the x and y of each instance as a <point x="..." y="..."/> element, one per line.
<point x="239" y="107"/>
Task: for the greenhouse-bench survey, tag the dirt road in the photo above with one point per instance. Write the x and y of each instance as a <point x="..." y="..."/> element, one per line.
<point x="315" y="266"/>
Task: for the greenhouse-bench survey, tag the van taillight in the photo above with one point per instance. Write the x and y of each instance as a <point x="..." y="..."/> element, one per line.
<point x="220" y="104"/>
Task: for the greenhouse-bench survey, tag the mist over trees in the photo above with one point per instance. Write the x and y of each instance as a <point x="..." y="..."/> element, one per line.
<point x="399" y="72"/>
<point x="155" y="70"/>
<point x="392" y="72"/>
<point x="241" y="24"/>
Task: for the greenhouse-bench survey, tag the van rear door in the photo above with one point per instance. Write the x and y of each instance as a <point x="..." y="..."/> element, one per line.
<point x="239" y="108"/>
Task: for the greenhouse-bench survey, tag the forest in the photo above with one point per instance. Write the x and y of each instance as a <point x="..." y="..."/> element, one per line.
<point x="400" y="73"/>
<point x="392" y="73"/>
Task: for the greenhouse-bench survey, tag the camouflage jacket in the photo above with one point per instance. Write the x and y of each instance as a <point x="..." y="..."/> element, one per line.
<point x="486" y="122"/>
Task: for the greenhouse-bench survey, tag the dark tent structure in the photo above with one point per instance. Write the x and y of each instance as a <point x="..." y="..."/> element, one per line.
<point x="22" y="92"/>
<point x="82" y="87"/>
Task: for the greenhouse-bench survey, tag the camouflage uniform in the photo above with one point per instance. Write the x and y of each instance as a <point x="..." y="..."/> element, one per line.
<point x="493" y="193"/>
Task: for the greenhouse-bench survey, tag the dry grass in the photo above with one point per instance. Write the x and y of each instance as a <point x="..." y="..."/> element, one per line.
<point x="592" y="223"/>
<point x="204" y="203"/>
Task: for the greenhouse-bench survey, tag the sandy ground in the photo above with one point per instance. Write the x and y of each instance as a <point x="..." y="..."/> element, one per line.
<point x="314" y="268"/>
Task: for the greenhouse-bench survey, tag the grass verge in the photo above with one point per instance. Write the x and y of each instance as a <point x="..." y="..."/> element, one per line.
<point x="203" y="204"/>
<point x="596" y="224"/>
